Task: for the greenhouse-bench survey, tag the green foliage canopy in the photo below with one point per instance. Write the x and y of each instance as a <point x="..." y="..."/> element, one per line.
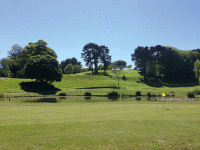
<point x="43" y="68"/>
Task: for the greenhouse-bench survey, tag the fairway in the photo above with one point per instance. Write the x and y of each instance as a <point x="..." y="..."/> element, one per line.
<point x="122" y="124"/>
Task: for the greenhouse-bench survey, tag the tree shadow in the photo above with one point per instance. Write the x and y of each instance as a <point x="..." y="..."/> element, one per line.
<point x="39" y="87"/>
<point x="99" y="87"/>
<point x="160" y="82"/>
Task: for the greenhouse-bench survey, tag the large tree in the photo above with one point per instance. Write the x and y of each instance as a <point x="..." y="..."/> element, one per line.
<point x="91" y="55"/>
<point x="43" y="68"/>
<point x="39" y="48"/>
<point x="105" y="57"/>
<point x="197" y="69"/>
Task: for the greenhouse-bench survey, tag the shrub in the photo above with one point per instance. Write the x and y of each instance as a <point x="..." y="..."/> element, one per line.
<point x="113" y="94"/>
<point x="87" y="94"/>
<point x="62" y="94"/>
<point x="138" y="93"/>
<point x="1" y="95"/>
<point x="149" y="94"/>
<point x="190" y="95"/>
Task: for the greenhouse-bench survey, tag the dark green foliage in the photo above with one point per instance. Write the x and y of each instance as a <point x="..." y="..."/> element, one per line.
<point x="43" y="68"/>
<point x="91" y="55"/>
<point x="87" y="94"/>
<point x="149" y="94"/>
<point x="1" y="96"/>
<point x="67" y="61"/>
<point x="138" y="93"/>
<point x="105" y="57"/>
<point x="190" y="95"/>
<point x="113" y="94"/>
<point x="62" y="94"/>
<point x="42" y="100"/>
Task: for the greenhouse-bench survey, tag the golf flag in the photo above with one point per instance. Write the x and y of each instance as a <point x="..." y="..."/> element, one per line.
<point x="163" y="94"/>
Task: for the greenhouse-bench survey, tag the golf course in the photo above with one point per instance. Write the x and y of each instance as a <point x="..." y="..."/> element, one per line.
<point x="74" y="122"/>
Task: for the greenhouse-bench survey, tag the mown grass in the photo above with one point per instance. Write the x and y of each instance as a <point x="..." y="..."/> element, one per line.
<point x="78" y="84"/>
<point x="77" y="124"/>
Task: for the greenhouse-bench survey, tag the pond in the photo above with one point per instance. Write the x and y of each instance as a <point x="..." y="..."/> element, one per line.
<point x="75" y="99"/>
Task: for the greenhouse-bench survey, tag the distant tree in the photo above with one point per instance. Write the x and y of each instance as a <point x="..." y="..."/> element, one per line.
<point x="91" y="55"/>
<point x="76" y="69"/>
<point x="4" y="67"/>
<point x="100" y="67"/>
<point x="197" y="69"/>
<point x="43" y="68"/>
<point x="129" y="67"/>
<point x="67" y="61"/>
<point x="105" y="57"/>
<point x="117" y="68"/>
<point x="120" y="64"/>
<point x="18" y="61"/>
<point x="68" y="69"/>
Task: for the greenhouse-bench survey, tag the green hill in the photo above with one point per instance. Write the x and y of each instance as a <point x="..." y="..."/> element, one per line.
<point x="78" y="84"/>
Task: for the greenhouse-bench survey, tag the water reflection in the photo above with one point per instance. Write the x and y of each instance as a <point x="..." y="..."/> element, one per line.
<point x="75" y="99"/>
<point x="42" y="100"/>
<point x="87" y="98"/>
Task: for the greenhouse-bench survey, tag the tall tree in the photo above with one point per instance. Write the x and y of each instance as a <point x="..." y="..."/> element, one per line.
<point x="105" y="57"/>
<point x="197" y="69"/>
<point x="18" y="60"/>
<point x="91" y="55"/>
<point x="141" y="56"/>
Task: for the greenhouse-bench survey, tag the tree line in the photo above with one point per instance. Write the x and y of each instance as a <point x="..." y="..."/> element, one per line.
<point x="166" y="62"/>
<point x="37" y="61"/>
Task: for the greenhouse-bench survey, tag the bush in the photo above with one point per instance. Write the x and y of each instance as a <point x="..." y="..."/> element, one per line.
<point x="113" y="94"/>
<point x="149" y="94"/>
<point x="190" y="95"/>
<point x="62" y="94"/>
<point x="138" y="93"/>
<point x="87" y="94"/>
<point x="1" y="95"/>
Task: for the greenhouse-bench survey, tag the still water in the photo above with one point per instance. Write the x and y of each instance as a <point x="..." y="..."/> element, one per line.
<point x="75" y="99"/>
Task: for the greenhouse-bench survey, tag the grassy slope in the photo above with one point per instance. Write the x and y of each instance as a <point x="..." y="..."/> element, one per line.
<point x="79" y="83"/>
<point x="100" y="125"/>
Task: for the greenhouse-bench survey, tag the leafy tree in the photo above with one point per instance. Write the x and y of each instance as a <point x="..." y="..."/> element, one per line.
<point x="43" y="68"/>
<point x="129" y="67"/>
<point x="76" y="69"/>
<point x="141" y="56"/>
<point x="4" y="67"/>
<point x="67" y="61"/>
<point x="68" y="69"/>
<point x="39" y="48"/>
<point x="91" y="55"/>
<point x="105" y="57"/>
<point x="197" y="69"/>
<point x="117" y="68"/>
<point x="120" y="64"/>
<point x="17" y="63"/>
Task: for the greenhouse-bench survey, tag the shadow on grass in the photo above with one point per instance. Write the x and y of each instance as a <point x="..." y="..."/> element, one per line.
<point x="38" y="87"/>
<point x="99" y="87"/>
<point x="159" y="82"/>
<point x="99" y="74"/>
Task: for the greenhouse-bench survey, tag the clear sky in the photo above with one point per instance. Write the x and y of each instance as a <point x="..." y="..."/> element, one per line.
<point x="121" y="25"/>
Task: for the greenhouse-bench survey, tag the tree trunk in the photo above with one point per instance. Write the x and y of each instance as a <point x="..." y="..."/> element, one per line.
<point x="118" y="82"/>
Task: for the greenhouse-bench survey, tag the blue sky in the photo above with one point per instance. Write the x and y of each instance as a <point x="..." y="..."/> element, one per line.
<point x="121" y="25"/>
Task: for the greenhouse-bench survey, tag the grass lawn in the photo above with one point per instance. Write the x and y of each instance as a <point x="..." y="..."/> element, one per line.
<point x="78" y="84"/>
<point x="124" y="124"/>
